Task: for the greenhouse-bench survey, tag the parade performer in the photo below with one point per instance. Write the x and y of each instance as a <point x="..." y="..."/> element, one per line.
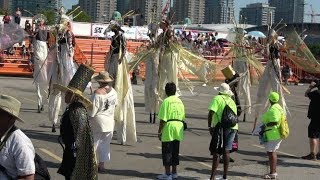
<point x="62" y="66"/>
<point x="271" y="78"/>
<point x="117" y="66"/>
<point x="102" y="122"/>
<point x="41" y="37"/>
<point x="117" y="50"/>
<point x="78" y="155"/>
<point x="151" y="77"/>
<point x="174" y="62"/>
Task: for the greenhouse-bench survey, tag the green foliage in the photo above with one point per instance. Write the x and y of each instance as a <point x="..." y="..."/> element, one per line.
<point x="81" y="16"/>
<point x="50" y="15"/>
<point x="315" y="49"/>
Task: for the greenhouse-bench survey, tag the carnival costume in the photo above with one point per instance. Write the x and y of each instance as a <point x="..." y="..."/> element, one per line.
<point x="78" y="155"/>
<point x="40" y="64"/>
<point x="62" y="67"/>
<point x="116" y="65"/>
<point x="174" y="62"/>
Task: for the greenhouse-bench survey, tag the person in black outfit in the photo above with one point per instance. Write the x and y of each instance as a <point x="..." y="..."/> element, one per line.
<point x="314" y="115"/>
<point x="286" y="73"/>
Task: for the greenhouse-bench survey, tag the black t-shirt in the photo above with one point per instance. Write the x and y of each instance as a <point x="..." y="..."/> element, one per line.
<point x="313" y="111"/>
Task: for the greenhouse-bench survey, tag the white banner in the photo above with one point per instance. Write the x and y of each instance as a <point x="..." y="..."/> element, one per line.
<point x="98" y="30"/>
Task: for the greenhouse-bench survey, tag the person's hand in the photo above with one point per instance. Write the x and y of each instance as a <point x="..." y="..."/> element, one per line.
<point x="159" y="136"/>
<point x="211" y="130"/>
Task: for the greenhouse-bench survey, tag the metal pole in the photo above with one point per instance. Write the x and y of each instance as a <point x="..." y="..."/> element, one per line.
<point x="91" y="54"/>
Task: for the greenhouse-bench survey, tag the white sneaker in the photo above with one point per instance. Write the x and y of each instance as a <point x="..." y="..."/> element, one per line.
<point x="204" y="85"/>
<point x="175" y="176"/>
<point x="220" y="178"/>
<point x="164" y="177"/>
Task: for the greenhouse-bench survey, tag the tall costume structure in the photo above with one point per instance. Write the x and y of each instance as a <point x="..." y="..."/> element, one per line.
<point x="41" y="37"/>
<point x="271" y="78"/>
<point x="151" y="77"/>
<point x="174" y="62"/>
<point x="78" y="154"/>
<point x="117" y="66"/>
<point x="62" y="67"/>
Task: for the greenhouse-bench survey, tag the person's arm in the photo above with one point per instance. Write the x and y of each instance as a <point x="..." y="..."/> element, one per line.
<point x="26" y="177"/>
<point x="210" y="116"/>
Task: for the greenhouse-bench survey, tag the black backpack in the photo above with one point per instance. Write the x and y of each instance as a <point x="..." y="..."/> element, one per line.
<point x="229" y="118"/>
<point x="41" y="172"/>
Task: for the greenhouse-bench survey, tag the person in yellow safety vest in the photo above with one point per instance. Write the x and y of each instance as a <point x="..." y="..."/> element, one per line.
<point x="271" y="132"/>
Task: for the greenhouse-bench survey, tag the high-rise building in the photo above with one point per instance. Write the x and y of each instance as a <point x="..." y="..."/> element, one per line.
<point x="153" y="10"/>
<point x="123" y="6"/>
<point x="257" y="14"/>
<point x="219" y="11"/>
<point x="99" y="10"/>
<point x="291" y="11"/>
<point x="32" y="7"/>
<point x="4" y="4"/>
<point x="193" y="9"/>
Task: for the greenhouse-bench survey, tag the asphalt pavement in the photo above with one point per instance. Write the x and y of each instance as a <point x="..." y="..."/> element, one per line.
<point x="142" y="160"/>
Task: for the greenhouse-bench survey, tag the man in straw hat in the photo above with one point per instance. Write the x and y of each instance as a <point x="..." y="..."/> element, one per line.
<point x="78" y="156"/>
<point x="102" y="121"/>
<point x="16" y="150"/>
<point x="217" y="147"/>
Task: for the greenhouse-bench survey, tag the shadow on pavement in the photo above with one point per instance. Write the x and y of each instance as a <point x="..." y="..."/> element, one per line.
<point x="41" y="135"/>
<point x="230" y="173"/>
<point x="147" y="155"/>
<point x="52" y="164"/>
<point x="29" y="110"/>
<point x="139" y="105"/>
<point x="132" y="173"/>
<point x="196" y="117"/>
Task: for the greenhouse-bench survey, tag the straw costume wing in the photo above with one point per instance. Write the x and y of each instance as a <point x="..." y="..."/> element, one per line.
<point x="298" y="52"/>
<point x="11" y="34"/>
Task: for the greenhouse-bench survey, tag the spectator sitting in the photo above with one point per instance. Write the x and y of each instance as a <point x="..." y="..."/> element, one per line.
<point x="17" y="16"/>
<point x="6" y="18"/>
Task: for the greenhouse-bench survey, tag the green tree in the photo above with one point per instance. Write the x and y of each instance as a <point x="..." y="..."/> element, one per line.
<point x="315" y="49"/>
<point x="80" y="16"/>
<point x="50" y="15"/>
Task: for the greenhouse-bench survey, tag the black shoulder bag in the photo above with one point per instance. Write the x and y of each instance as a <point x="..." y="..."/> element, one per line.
<point x="228" y="118"/>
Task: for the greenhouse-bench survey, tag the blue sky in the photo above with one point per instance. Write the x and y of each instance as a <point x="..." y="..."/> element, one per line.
<point x="241" y="3"/>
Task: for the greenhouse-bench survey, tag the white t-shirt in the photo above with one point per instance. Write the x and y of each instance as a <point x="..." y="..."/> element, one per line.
<point x="102" y="119"/>
<point x="17" y="156"/>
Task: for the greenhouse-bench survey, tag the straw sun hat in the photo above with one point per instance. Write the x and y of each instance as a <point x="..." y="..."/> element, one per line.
<point x="78" y="84"/>
<point x="10" y="105"/>
<point x="103" y="77"/>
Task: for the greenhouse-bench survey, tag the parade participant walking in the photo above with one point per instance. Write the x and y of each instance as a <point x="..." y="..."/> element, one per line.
<point x="313" y="114"/>
<point x="117" y="66"/>
<point x="117" y="50"/>
<point x="62" y="66"/>
<point x="78" y="160"/>
<point x="17" y="16"/>
<point x="221" y="142"/>
<point x="271" y="132"/>
<point x="16" y="150"/>
<point x="171" y="115"/>
<point x="40" y="64"/>
<point x="102" y="122"/>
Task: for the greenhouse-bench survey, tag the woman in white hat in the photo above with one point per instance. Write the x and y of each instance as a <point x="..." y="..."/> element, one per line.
<point x="102" y="117"/>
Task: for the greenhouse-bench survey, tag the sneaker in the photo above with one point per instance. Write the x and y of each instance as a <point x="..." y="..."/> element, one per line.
<point x="270" y="176"/>
<point x="318" y="156"/>
<point x="310" y="156"/>
<point x="204" y="85"/>
<point x="164" y="177"/>
<point x="174" y="176"/>
<point x="220" y="178"/>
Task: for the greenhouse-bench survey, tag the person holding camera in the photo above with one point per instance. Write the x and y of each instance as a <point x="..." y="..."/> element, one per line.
<point x="313" y="93"/>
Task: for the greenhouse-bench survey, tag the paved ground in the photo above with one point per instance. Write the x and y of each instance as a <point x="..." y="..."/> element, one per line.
<point x="143" y="159"/>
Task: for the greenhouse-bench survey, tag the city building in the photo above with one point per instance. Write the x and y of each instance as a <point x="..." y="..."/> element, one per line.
<point x="123" y="6"/>
<point x="193" y="9"/>
<point x="257" y="14"/>
<point x="4" y="4"/>
<point x="291" y="11"/>
<point x="153" y="10"/>
<point x="99" y="10"/>
<point x="219" y="11"/>
<point x="30" y="7"/>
